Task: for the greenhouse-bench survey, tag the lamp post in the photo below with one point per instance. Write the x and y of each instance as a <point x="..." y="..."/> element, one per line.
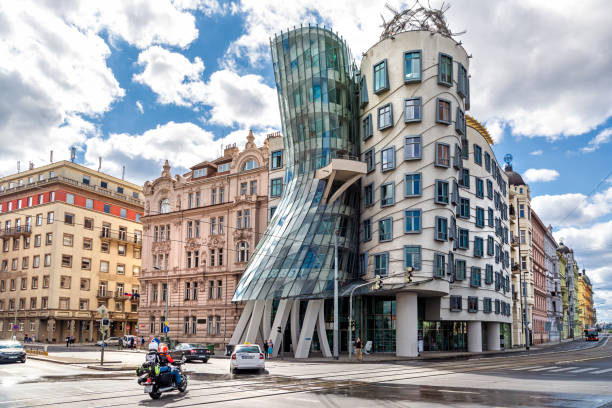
<point x="336" y="296"/>
<point x="167" y="296"/>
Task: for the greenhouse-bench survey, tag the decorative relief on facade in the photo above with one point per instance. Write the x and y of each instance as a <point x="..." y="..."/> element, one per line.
<point x="161" y="247"/>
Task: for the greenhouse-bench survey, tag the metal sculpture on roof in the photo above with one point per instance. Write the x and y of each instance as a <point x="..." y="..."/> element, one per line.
<point x="417" y="17"/>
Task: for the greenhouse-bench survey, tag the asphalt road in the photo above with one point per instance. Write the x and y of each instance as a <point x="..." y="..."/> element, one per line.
<point x="574" y="374"/>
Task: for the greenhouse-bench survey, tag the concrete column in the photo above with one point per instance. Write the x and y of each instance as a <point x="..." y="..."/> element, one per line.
<point x="282" y="314"/>
<point x="72" y="327"/>
<point x="267" y="318"/>
<point x="310" y="319"/>
<point x="406" y="323"/>
<point x="322" y="332"/>
<point x="91" y="330"/>
<point x="254" y="325"/>
<point x="295" y="324"/>
<point x="242" y="323"/>
<point x="50" y="327"/>
<point x="493" y="336"/>
<point x="475" y="337"/>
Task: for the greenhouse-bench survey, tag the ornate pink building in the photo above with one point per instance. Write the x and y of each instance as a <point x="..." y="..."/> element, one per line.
<point x="199" y="230"/>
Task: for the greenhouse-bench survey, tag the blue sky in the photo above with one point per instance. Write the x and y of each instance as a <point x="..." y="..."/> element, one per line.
<point x="138" y="82"/>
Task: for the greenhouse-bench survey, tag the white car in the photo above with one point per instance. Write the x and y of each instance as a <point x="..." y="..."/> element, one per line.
<point x="247" y="357"/>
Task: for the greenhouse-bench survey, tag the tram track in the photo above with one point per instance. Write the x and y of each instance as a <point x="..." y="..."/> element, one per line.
<point x="236" y="389"/>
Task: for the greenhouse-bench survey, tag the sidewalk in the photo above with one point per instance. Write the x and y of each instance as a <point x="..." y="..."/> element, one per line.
<point x="69" y="360"/>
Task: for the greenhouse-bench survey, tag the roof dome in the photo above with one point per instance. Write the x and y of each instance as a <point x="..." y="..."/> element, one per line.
<point x="563" y="249"/>
<point x="514" y="179"/>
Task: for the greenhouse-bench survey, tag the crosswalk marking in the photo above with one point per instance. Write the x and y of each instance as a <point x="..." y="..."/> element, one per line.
<point x="582" y="370"/>
<point x="601" y="371"/>
<point x="544" y="368"/>
<point x="525" y="368"/>
<point x="562" y="369"/>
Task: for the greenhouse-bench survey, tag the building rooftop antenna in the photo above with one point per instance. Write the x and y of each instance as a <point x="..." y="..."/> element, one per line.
<point x="72" y="153"/>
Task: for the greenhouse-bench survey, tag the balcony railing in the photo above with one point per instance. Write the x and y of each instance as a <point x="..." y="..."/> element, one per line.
<point x="104" y="294"/>
<point x="121" y="236"/>
<point x="66" y="180"/>
<point x="16" y="231"/>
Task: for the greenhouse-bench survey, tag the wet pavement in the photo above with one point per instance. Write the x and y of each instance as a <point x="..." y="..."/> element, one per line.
<point x="504" y="381"/>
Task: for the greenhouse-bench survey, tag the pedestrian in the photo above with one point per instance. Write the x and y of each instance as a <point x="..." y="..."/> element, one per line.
<point x="67" y="341"/>
<point x="359" y="347"/>
<point x="25" y="338"/>
<point x="270" y="347"/>
<point x="72" y="340"/>
<point x="141" y="341"/>
<point x="265" y="347"/>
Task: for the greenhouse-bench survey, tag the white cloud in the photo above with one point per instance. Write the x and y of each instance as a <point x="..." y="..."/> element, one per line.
<point x="208" y="7"/>
<point x="139" y="106"/>
<point x="183" y="144"/>
<point x="602" y="137"/>
<point x="572" y="209"/>
<point x="171" y="76"/>
<point x="536" y="153"/>
<point x="561" y="96"/>
<point x="496" y="129"/>
<point x="233" y="99"/>
<point x="540" y="175"/>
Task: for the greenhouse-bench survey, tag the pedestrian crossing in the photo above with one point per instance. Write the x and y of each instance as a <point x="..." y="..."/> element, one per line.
<point x="563" y="370"/>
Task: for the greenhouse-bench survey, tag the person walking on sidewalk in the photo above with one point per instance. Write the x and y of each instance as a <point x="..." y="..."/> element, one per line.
<point x="358" y="347"/>
<point x="270" y="347"/>
<point x="265" y="348"/>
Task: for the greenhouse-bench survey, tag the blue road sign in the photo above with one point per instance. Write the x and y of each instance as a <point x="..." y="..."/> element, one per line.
<point x="166" y="329"/>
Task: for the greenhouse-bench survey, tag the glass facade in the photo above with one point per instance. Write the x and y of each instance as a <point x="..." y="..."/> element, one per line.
<point x="315" y="81"/>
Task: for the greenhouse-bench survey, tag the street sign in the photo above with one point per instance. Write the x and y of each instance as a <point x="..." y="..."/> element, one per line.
<point x="103" y="310"/>
<point x="166" y="329"/>
<point x="15" y="327"/>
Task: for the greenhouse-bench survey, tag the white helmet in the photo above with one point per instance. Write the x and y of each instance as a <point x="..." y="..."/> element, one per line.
<point x="153" y="346"/>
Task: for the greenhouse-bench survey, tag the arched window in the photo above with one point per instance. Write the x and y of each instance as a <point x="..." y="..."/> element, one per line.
<point x="250" y="165"/>
<point x="164" y="206"/>
<point x="243" y="251"/>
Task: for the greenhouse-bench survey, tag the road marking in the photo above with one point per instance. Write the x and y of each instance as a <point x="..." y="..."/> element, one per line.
<point x="525" y="368"/>
<point x="563" y="369"/>
<point x="582" y="370"/>
<point x="601" y="371"/>
<point x="544" y="368"/>
<point x="459" y="392"/>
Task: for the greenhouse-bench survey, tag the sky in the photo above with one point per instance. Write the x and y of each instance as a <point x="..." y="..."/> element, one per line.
<point x="141" y="81"/>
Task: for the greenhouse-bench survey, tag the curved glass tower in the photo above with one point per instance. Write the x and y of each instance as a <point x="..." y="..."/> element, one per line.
<point x="316" y="93"/>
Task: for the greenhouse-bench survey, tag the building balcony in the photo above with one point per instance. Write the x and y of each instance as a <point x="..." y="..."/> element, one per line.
<point x="122" y="237"/>
<point x="344" y="168"/>
<point x="103" y="294"/>
<point x="15" y="232"/>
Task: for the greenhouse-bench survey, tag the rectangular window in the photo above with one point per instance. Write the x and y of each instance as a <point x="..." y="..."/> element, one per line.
<point x="243" y="188"/>
<point x="367" y="229"/>
<point x="472" y="304"/>
<point x="464" y="207"/>
<point x="276" y="187"/>
<point x="68" y="239"/>
<point x="363" y="92"/>
<point x="478" y="247"/>
<point x="387" y="159"/>
<point x="439" y="265"/>
<point x="521" y="211"/>
<point x="497" y="306"/>
<point x="487" y="159"/>
<point x="50" y="215"/>
<point x="368" y="195"/>
<point x="277" y="159"/>
<point x="460" y="269"/>
<point x="412" y="187"/>
<point x="107" y="208"/>
<point x="412" y="257"/>
<point x="462" y="79"/>
<point x="413" y="108"/>
<point x="381" y="80"/>
<point x="442" y="155"/>
<point x="445" y="69"/>
<point x="48" y="239"/>
<point x="367" y="127"/>
<point x="455" y="303"/>
<point x="480" y="218"/>
<point x="478" y="155"/>
<point x="385" y="116"/>
<point x="486" y="305"/>
<point x="385" y="229"/>
<point x="86" y="180"/>
<point x="490" y="246"/>
<point x="370" y="160"/>
<point x="443" y="111"/>
<point x="387" y="194"/>
<point x="490" y="217"/>
<point x="86" y="264"/>
<point x="381" y="264"/>
<point x="489" y="274"/>
<point x="460" y="121"/>
<point x="412" y="148"/>
<point x="412" y="66"/>
<point x="412" y="221"/>
<point x="441" y="192"/>
<point x="489" y="189"/>
<point x="464" y="238"/>
<point x="475" y="277"/>
<point x="441" y="229"/>
<point x="253" y="187"/>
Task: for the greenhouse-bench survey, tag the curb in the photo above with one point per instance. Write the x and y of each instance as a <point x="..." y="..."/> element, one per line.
<point x="111" y="368"/>
<point x="52" y="360"/>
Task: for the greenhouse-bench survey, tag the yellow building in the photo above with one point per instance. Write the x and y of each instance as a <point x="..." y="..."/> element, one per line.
<point x="585" y="302"/>
<point x="71" y="241"/>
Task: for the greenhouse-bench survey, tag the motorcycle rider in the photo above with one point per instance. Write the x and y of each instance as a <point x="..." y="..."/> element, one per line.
<point x="166" y="359"/>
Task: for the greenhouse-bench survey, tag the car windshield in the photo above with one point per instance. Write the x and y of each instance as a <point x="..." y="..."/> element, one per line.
<point x="247" y="349"/>
<point x="10" y="345"/>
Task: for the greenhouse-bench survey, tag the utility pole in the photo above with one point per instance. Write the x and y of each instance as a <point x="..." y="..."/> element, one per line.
<point x="336" y="296"/>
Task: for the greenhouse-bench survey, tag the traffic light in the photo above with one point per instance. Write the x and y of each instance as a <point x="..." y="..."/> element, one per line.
<point x="377" y="282"/>
<point x="105" y="322"/>
<point x="352" y="325"/>
<point x="278" y="329"/>
<point x="409" y="274"/>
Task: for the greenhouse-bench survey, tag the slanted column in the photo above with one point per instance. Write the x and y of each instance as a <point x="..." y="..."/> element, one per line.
<point x="406" y="323"/>
<point x="493" y="336"/>
<point x="475" y="337"/>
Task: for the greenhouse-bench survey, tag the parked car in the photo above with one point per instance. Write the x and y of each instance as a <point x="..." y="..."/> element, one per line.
<point x="247" y="357"/>
<point x="12" y="352"/>
<point x="190" y="352"/>
<point x="111" y="341"/>
<point x="126" y="340"/>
